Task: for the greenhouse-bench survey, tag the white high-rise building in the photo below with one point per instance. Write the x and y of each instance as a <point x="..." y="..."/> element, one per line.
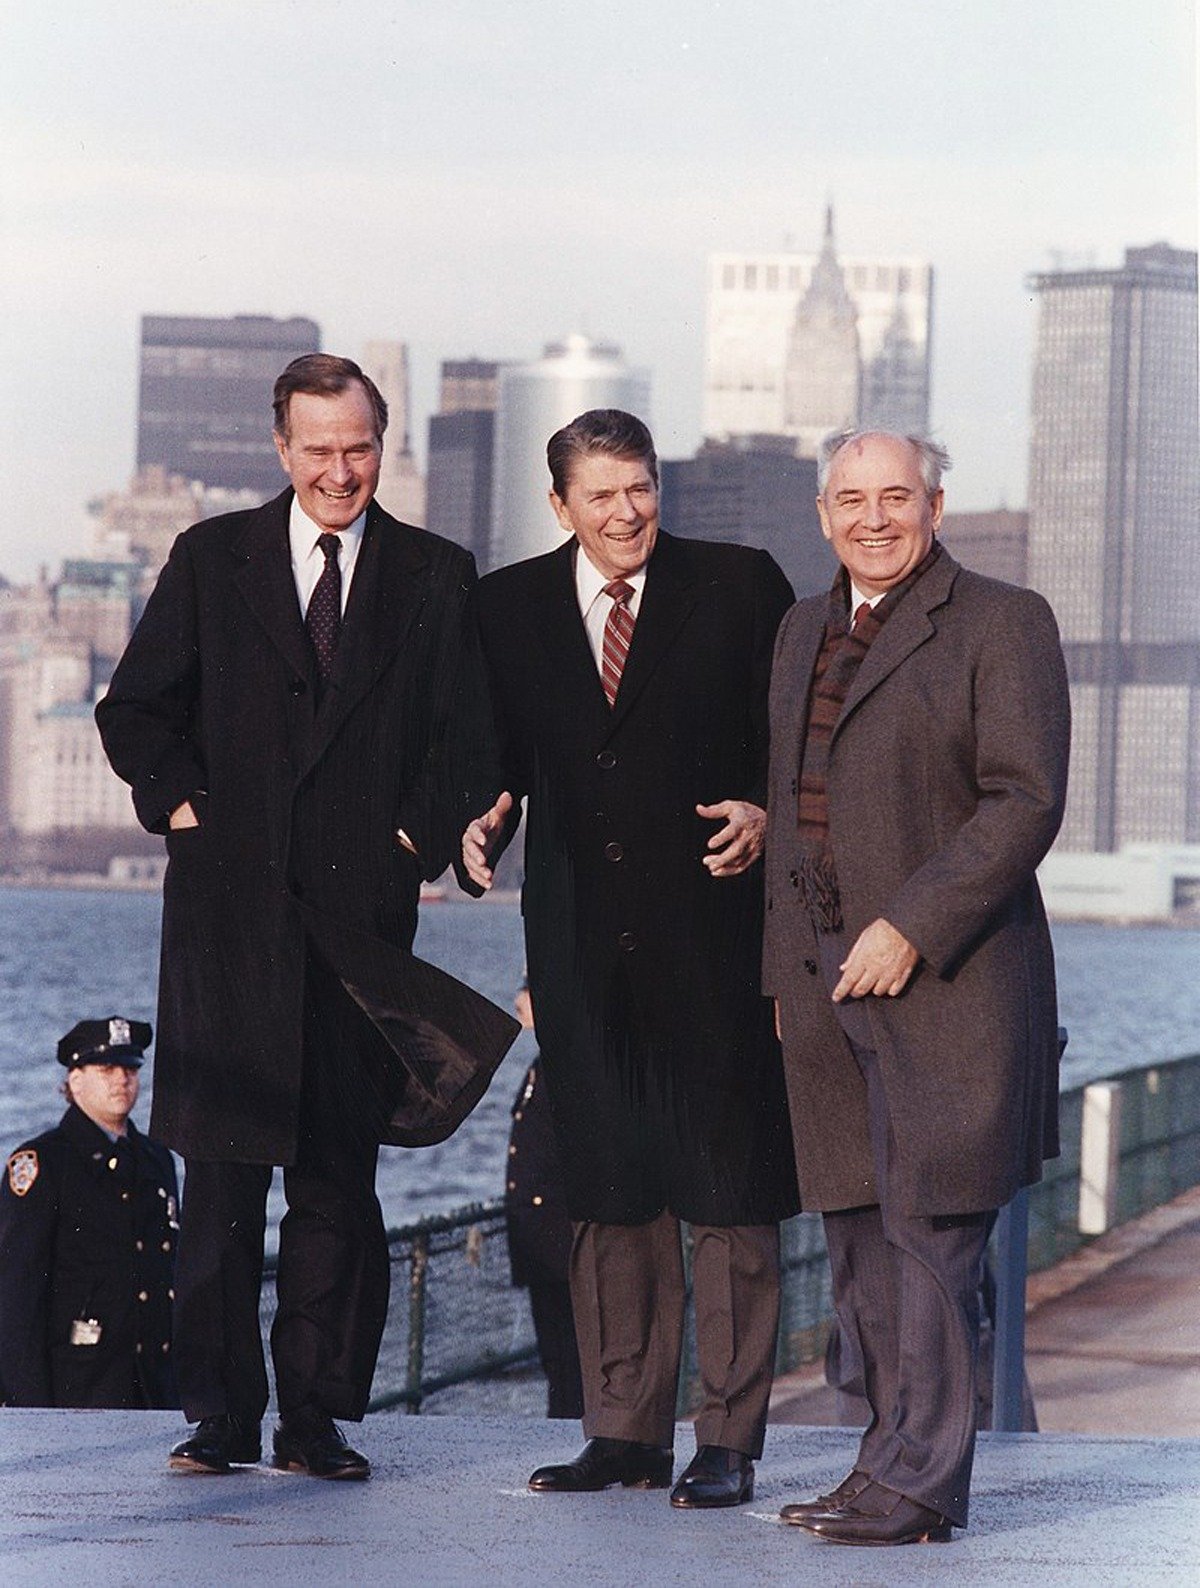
<point x="1114" y="538"/>
<point x="754" y="301"/>
<point x="401" y="490"/>
<point x="534" y="401"/>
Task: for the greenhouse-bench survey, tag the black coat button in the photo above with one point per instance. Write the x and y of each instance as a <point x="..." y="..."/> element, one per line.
<point x="810" y="966"/>
<point x="614" y="851"/>
<point x="627" y="942"/>
<point x="607" y="760"/>
<point x="794" y="878"/>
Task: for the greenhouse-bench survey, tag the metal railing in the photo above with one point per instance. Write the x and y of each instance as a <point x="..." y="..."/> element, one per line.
<point x="459" y="1336"/>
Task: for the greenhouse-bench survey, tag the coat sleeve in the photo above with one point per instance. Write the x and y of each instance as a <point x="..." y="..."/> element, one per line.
<point x="27" y="1226"/>
<point x="1022" y="743"/>
<point x="442" y="797"/>
<point x="146" y="718"/>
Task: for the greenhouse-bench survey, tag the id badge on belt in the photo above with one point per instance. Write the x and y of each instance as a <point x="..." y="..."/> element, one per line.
<point x="86" y="1331"/>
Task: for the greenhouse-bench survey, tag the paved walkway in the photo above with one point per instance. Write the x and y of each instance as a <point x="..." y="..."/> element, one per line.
<point x="87" y="1499"/>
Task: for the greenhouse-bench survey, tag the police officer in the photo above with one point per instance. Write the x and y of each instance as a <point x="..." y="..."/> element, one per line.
<point x="88" y="1220"/>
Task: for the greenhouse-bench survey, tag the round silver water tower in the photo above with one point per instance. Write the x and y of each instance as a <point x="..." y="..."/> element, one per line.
<point x="535" y="400"/>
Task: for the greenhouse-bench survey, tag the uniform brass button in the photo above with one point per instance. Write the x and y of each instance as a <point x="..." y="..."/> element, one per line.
<point x="627" y="942"/>
<point x="512" y="1185"/>
<point x="614" y="851"/>
<point x="139" y="1246"/>
<point x="606" y="760"/>
<point x="166" y="1246"/>
<point x="170" y="1295"/>
<point x="512" y="1152"/>
<point x="138" y="1348"/>
<point x="537" y="1202"/>
<point x="112" y="1163"/>
<point x="161" y="1192"/>
<point x="166" y="1345"/>
<point x="124" y="1196"/>
<point x="143" y="1295"/>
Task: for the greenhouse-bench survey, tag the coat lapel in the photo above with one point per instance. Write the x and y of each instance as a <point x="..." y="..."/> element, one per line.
<point x="669" y="597"/>
<point x="908" y="628"/>
<point x="563" y="634"/>
<point x="267" y="586"/>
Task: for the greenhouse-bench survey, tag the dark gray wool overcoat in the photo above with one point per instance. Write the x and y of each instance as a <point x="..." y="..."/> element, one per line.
<point x="947" y="778"/>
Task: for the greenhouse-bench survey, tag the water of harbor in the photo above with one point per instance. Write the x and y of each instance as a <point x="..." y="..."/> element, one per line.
<point x="1129" y="996"/>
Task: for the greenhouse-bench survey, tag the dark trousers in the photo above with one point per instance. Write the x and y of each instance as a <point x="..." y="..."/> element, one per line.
<point x="333" y="1274"/>
<point x="906" y="1290"/>
<point x="628" y="1291"/>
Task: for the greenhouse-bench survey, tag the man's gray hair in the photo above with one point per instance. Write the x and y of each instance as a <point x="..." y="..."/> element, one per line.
<point x="932" y="460"/>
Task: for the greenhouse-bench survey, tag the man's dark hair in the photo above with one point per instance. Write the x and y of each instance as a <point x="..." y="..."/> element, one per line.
<point x="324" y="375"/>
<point x="610" y="431"/>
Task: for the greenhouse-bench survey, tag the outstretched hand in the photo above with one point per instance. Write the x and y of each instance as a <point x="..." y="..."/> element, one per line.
<point x="480" y="839"/>
<point x="738" y="844"/>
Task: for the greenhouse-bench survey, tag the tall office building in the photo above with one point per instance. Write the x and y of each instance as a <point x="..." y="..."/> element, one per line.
<point x="778" y="336"/>
<point x="204" y="399"/>
<point x="401" y="490"/>
<point x="1114" y="538"/>
<point x="534" y="401"/>
<point x="753" y="491"/>
<point x="461" y="440"/>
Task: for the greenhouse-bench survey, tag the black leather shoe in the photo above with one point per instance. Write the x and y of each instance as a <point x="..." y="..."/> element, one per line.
<point x="312" y="1442"/>
<point x="824" y="1504"/>
<point x="879" y="1515"/>
<point x="715" y="1476"/>
<point x="603" y="1462"/>
<point x="217" y="1444"/>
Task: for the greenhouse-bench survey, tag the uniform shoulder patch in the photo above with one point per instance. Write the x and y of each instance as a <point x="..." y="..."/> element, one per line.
<point x="22" y="1171"/>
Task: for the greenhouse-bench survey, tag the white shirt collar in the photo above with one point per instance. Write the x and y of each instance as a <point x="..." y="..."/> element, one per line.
<point x="590" y="582"/>
<point x="304" y="532"/>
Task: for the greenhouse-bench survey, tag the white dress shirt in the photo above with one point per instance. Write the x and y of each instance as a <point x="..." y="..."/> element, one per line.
<point x="857" y="598"/>
<point x="308" y="560"/>
<point x="595" y="605"/>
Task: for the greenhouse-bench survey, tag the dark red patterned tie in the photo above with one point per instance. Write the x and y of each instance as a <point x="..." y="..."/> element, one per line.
<point x="323" y="620"/>
<point x="618" y="631"/>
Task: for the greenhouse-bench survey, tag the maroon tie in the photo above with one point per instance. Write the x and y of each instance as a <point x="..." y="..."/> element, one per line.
<point x="618" y="630"/>
<point x="860" y="613"/>
<point x="323" y="620"/>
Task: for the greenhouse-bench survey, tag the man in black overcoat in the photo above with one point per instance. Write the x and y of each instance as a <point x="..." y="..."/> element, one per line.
<point x="283" y="713"/>
<point x="88" y="1223"/>
<point x="920" y="730"/>
<point x="629" y="674"/>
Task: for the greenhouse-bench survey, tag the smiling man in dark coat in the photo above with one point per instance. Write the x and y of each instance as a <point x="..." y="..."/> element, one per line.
<point x="629" y="672"/>
<point x="919" y="740"/>
<point x="283" y="713"/>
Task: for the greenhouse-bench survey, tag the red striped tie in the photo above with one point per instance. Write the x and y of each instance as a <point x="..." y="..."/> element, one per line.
<point x="618" y="630"/>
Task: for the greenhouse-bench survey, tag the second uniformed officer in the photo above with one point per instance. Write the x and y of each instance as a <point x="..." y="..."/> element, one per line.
<point x="88" y="1218"/>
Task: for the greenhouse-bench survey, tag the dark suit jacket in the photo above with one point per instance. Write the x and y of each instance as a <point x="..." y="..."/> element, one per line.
<point x="656" y="1043"/>
<point x="299" y="810"/>
<point x="947" y="777"/>
<point x="92" y="1233"/>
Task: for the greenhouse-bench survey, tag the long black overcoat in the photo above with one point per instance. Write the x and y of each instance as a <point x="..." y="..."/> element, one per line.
<point x="657" y="1046"/>
<point x="946" y="782"/>
<point x="300" y="807"/>
<point x="87" y="1235"/>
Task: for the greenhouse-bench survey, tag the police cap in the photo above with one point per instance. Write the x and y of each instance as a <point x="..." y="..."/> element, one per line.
<point x="111" y="1041"/>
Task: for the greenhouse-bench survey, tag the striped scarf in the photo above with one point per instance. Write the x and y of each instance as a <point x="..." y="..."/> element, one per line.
<point x="842" y="652"/>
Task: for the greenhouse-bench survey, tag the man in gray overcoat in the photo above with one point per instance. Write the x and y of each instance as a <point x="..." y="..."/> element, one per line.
<point x="919" y="740"/>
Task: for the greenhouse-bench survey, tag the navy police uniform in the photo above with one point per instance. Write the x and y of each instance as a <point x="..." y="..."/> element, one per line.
<point x="87" y="1253"/>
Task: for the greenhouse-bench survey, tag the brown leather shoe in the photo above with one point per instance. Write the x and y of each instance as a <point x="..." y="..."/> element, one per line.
<point x="604" y="1462"/>
<point x="801" y="1510"/>
<point x="715" y="1476"/>
<point x="879" y="1515"/>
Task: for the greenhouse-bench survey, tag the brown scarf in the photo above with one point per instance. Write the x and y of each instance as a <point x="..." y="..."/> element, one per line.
<point x="842" y="652"/>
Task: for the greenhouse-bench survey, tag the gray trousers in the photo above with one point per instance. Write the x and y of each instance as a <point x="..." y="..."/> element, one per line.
<point x="628" y="1294"/>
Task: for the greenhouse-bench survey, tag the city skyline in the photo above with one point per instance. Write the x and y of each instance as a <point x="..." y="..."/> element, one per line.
<point x="500" y="186"/>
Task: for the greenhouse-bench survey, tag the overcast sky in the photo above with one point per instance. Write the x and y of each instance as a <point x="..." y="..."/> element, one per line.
<point x="477" y="178"/>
